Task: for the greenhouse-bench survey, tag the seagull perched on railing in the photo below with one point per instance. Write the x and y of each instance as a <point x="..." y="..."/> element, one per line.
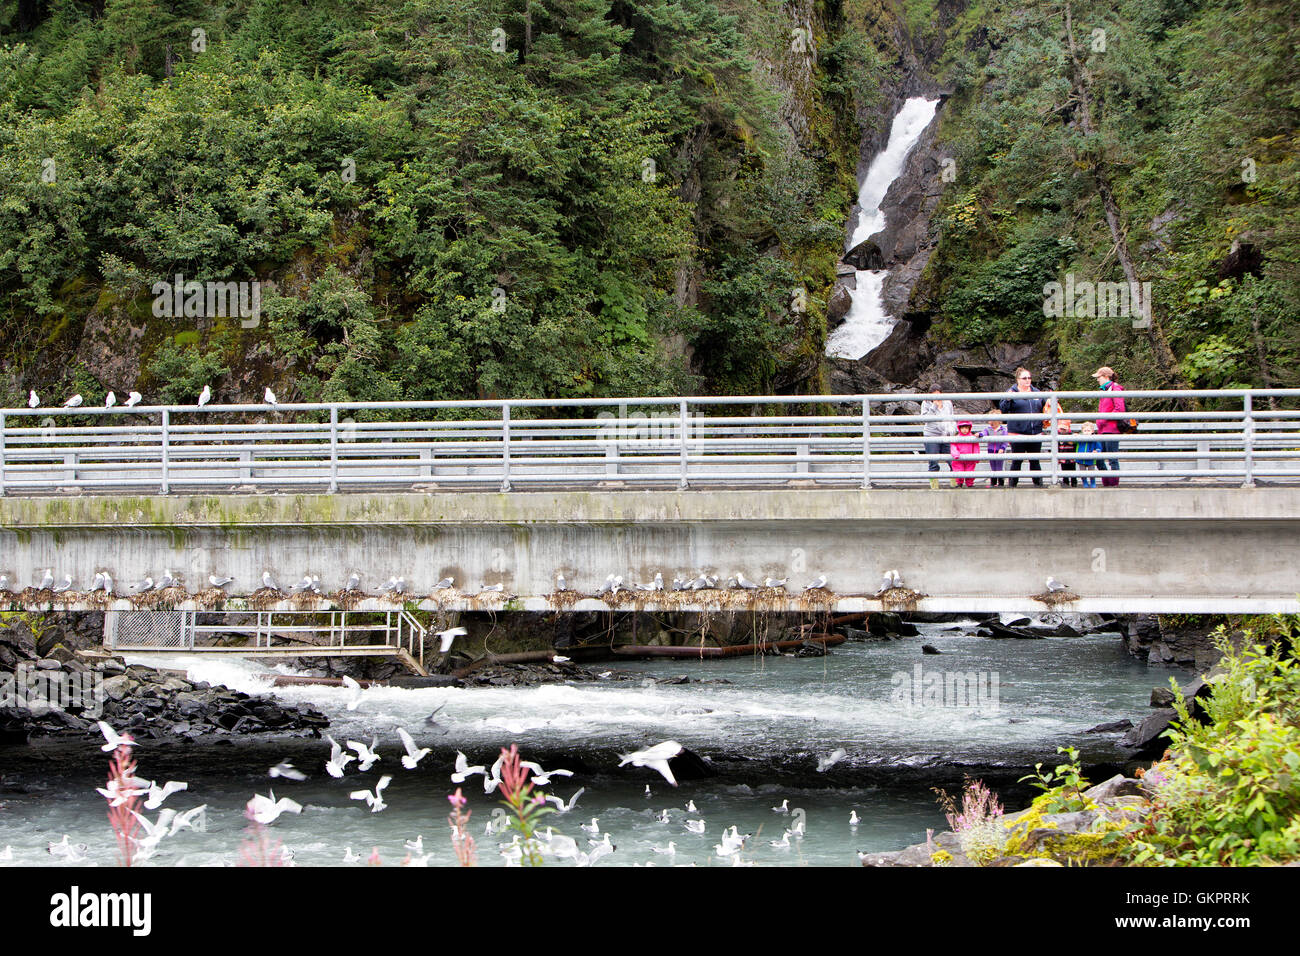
<point x="205" y="396"/>
<point x="110" y="399"/>
<point x="73" y="402"/>
<point x="133" y="399"/>
<point x="268" y="396"/>
<point x="33" y="400"/>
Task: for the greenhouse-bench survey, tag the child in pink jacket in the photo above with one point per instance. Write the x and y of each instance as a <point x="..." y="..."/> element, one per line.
<point x="964" y="447"/>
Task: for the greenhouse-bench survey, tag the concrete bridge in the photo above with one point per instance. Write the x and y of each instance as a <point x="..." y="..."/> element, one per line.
<point x="1123" y="550"/>
<point x="515" y="494"/>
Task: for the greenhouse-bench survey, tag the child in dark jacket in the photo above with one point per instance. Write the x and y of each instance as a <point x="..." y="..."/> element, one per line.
<point x="964" y="447"/>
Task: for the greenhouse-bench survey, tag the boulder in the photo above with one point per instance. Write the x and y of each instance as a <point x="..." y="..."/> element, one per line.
<point x="1117" y="786"/>
<point x="1146" y="738"/>
<point x="1115" y="726"/>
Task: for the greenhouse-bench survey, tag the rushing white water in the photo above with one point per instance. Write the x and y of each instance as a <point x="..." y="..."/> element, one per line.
<point x="763" y="722"/>
<point x="867" y="324"/>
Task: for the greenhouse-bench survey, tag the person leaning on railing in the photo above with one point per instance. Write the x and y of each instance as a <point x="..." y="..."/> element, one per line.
<point x="1022" y="431"/>
<point x="1110" y="403"/>
<point x="939" y="424"/>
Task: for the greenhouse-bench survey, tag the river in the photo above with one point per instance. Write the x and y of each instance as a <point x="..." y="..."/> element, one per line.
<point x="762" y="722"/>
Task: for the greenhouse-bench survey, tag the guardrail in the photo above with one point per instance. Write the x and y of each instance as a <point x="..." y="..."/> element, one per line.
<point x="1251" y="435"/>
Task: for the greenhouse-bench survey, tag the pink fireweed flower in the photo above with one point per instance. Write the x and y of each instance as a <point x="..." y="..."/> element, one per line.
<point x="457" y="799"/>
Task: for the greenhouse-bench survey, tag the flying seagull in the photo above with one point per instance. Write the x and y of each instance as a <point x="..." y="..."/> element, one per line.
<point x="339" y="758"/>
<point x="825" y="763"/>
<point x="564" y="807"/>
<point x="463" y="769"/>
<point x="158" y="794"/>
<point x="656" y="758"/>
<point x="366" y="756"/>
<point x="354" y="698"/>
<point x="266" y="810"/>
<point x="114" y="740"/>
<point x="448" y="636"/>
<point x="413" y="756"/>
<point x="286" y="770"/>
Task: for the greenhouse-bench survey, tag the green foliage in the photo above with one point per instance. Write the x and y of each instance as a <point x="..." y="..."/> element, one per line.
<point x="1230" y="792"/>
<point x="182" y="371"/>
<point x="1063" y="787"/>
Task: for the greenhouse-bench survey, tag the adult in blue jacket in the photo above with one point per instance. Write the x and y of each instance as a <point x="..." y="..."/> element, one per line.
<point x="1021" y="400"/>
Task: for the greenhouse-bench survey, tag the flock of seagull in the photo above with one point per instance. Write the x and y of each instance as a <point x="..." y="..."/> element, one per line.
<point x="134" y="399"/>
<point x="266" y="810"/>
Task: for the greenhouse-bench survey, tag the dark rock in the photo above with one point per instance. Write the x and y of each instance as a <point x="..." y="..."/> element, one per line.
<point x="49" y="664"/>
<point x="1115" y="726"/>
<point x="998" y="630"/>
<point x="812" y="649"/>
<point x="1145" y="739"/>
<point x="866" y="255"/>
<point x="1117" y="786"/>
<point x="1162" y="697"/>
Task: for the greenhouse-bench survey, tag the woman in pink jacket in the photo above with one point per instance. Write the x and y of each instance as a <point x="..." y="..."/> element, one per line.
<point x="1108" y="428"/>
<point x="965" y="448"/>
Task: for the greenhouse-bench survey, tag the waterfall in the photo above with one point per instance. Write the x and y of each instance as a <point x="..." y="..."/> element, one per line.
<point x="867" y="324"/>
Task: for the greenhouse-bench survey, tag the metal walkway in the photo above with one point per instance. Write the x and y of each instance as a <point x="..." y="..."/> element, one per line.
<point x="1240" y="436"/>
<point x="269" y="634"/>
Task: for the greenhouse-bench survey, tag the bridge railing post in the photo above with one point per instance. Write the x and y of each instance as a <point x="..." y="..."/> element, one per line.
<point x="866" y="443"/>
<point x="682" y="482"/>
<point x="334" y="449"/>
<point x="1054" y="478"/>
<point x="505" y="446"/>
<point x="2" y="455"/>
<point x="1248" y="439"/>
<point x="166" y="427"/>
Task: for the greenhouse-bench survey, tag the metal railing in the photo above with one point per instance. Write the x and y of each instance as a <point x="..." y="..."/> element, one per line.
<point x="1251" y="435"/>
<point x="159" y="630"/>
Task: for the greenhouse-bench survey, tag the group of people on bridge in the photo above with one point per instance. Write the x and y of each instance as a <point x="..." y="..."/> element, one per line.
<point x="947" y="437"/>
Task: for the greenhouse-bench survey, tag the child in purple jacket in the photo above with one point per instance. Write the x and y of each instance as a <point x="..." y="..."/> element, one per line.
<point x="995" y="447"/>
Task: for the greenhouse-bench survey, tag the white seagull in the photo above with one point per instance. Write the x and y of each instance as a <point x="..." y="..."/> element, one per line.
<point x="695" y="826"/>
<point x="366" y="756"/>
<point x="219" y="582"/>
<point x="656" y="758"/>
<point x="413" y="756"/>
<point x="158" y="794"/>
<point x="114" y="740"/>
<point x="47" y="579"/>
<point x="339" y="758"/>
<point x="463" y="769"/>
<point x="133" y="399"/>
<point x="286" y="770"/>
<point x="354" y="696"/>
<point x="110" y="400"/>
<point x="543" y="777"/>
<point x="447" y="636"/>
<point x="34" y="401"/>
<point x="444" y="584"/>
<point x="74" y="402"/>
<point x="266" y="810"/>
<point x="268" y="396"/>
<point x="375" y="798"/>
<point x="560" y="805"/>
<point x="825" y="763"/>
<point x="205" y="396"/>
<point x="1055" y="585"/>
<point x="819" y="583"/>
<point x="269" y="582"/>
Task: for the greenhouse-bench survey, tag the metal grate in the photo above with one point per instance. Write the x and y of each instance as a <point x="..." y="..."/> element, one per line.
<point x="150" y="629"/>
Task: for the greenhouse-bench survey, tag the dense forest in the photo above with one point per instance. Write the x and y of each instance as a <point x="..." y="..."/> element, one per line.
<point x="521" y="198"/>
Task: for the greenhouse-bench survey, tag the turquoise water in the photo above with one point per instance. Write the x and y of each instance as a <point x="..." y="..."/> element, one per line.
<point x="762" y="732"/>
